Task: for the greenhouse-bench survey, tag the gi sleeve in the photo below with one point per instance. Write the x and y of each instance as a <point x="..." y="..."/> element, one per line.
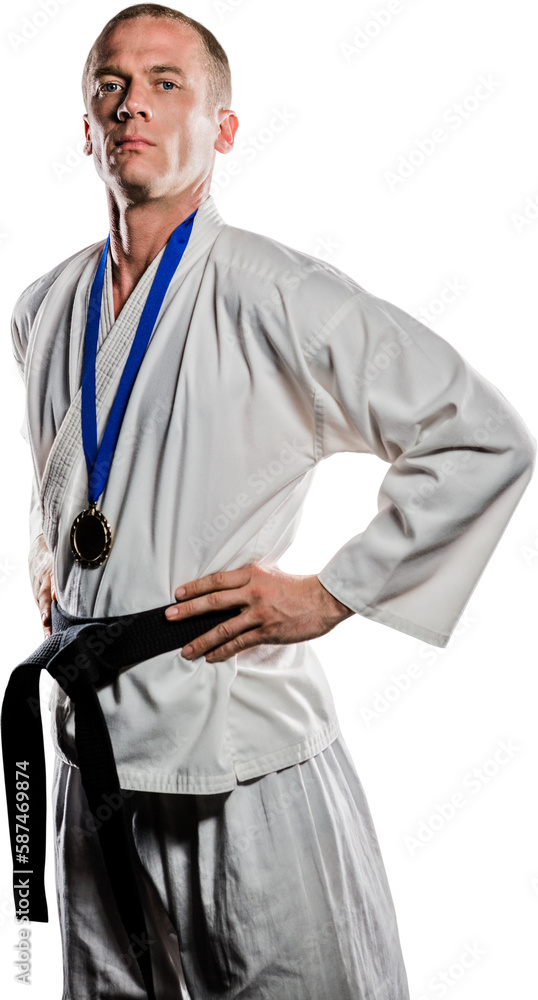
<point x="19" y="344"/>
<point x="36" y="519"/>
<point x="460" y="459"/>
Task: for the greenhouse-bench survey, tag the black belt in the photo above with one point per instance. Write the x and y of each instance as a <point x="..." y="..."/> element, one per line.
<point x="83" y="655"/>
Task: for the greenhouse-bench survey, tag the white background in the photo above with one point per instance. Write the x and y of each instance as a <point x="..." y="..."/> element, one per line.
<point x="320" y="185"/>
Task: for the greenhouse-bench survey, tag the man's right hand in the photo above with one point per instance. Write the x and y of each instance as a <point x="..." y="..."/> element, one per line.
<point x="40" y="565"/>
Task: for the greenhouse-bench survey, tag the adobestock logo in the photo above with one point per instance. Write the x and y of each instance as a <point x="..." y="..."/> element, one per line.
<point x="257" y="483"/>
<point x="72" y="158"/>
<point x="224" y="7"/>
<point x="530" y="552"/>
<point x="475" y="780"/>
<point x="33" y="24"/>
<point x="391" y="349"/>
<point x="247" y="150"/>
<point x="444" y="979"/>
<point x="6" y="570"/>
<point x="370" y="29"/>
<point x="404" y="680"/>
<point x="462" y="456"/>
<point x="528" y="215"/>
<point x="454" y="117"/>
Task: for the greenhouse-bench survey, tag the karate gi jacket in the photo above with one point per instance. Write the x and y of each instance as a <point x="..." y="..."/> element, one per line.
<point x="263" y="362"/>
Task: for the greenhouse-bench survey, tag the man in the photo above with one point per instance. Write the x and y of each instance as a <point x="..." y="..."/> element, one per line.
<point x="260" y="869"/>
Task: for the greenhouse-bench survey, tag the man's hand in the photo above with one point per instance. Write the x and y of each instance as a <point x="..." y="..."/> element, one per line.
<point x="40" y="565"/>
<point x="276" y="607"/>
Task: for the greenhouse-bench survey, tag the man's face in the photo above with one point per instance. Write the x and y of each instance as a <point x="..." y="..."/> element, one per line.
<point x="148" y="81"/>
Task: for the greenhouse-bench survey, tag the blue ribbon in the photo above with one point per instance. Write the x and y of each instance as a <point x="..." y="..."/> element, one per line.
<point x="99" y="461"/>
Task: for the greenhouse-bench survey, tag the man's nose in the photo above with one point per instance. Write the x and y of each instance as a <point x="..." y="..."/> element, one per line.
<point x="136" y="102"/>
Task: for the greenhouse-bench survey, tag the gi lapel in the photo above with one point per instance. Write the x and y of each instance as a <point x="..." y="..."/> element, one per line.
<point x="67" y="447"/>
<point x="66" y="458"/>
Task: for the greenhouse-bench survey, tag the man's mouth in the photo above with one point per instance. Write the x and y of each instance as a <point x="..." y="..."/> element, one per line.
<point x="133" y="142"/>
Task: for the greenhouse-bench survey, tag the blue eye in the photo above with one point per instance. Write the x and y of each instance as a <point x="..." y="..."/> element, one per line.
<point x="168" y="85"/>
<point x="105" y="85"/>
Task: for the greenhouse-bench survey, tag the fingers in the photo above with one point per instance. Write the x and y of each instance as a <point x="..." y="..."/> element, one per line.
<point x="217" y="591"/>
<point x="47" y="623"/>
<point x="40" y="568"/>
<point x="44" y="601"/>
<point x="244" y="641"/>
<point x="209" y="593"/>
<point x="275" y="607"/>
<point x="227" y="639"/>
<point x="222" y="580"/>
<point x="200" y="605"/>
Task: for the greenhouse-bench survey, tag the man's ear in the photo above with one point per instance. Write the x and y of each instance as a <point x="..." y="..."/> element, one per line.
<point x="229" y="124"/>
<point x="88" y="144"/>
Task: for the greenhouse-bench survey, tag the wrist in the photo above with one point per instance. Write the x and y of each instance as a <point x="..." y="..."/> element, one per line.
<point x="334" y="609"/>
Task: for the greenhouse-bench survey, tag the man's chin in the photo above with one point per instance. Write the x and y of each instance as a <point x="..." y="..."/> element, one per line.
<point x="136" y="183"/>
<point x="136" y="186"/>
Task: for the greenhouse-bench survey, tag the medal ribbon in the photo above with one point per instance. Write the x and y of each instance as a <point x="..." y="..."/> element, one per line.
<point x="99" y="461"/>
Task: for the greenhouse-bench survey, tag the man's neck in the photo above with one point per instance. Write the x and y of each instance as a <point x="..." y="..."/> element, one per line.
<point x="137" y="234"/>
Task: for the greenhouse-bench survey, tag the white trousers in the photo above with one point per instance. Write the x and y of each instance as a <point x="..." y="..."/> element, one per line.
<point x="273" y="891"/>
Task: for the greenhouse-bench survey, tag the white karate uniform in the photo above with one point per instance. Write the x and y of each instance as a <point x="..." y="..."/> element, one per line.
<point x="263" y="362"/>
<point x="273" y="891"/>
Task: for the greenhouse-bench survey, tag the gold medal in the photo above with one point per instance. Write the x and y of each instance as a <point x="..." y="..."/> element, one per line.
<point x="91" y="537"/>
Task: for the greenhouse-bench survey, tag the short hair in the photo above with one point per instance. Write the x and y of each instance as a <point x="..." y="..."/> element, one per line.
<point x="215" y="60"/>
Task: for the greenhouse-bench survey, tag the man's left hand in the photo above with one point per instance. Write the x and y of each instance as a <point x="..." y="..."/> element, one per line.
<point x="276" y="607"/>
